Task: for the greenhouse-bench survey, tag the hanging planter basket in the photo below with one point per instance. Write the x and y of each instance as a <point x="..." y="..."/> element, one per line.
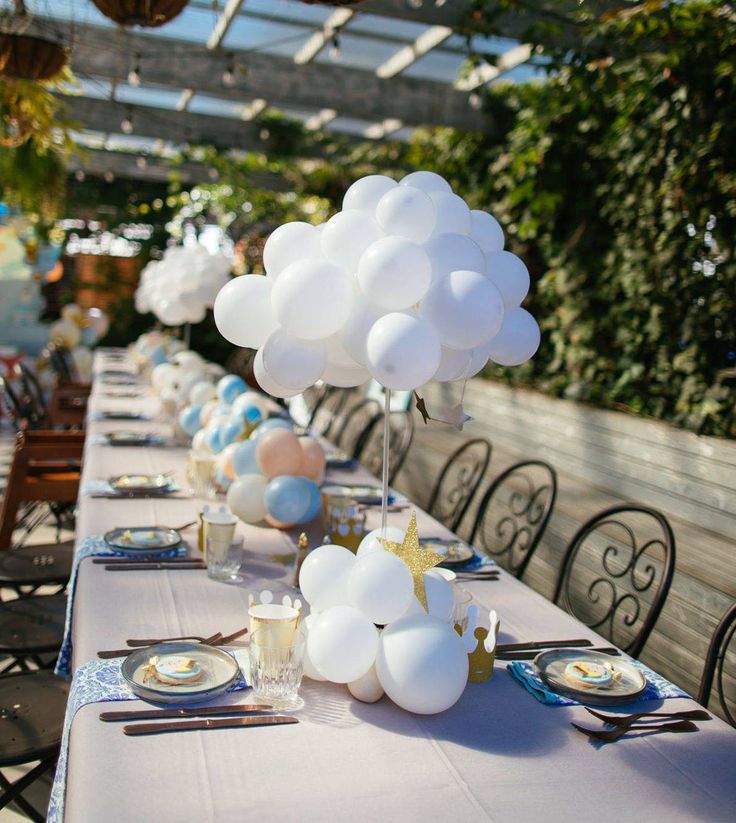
<point x="147" y="13"/>
<point x="23" y="57"/>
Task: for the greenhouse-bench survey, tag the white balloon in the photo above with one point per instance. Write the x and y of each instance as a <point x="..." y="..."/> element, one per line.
<point x="337" y="354"/>
<point x="372" y="541"/>
<point x="439" y="594"/>
<point x="394" y="272"/>
<point x="422" y="664"/>
<point x="510" y="276"/>
<point x="312" y="299"/>
<point x="453" y="365"/>
<point x="365" y="193"/>
<point x="310" y="670"/>
<point x="380" y="585"/>
<point x="368" y="688"/>
<point x="342" y="644"/>
<point x="453" y="214"/>
<point x="347" y="235"/>
<point x="293" y="363"/>
<point x="453" y="252"/>
<point x="408" y="212"/>
<point x="243" y="312"/>
<point x="479" y="358"/>
<point x="518" y="339"/>
<point x="345" y="377"/>
<point x="245" y="497"/>
<point x="288" y="244"/>
<point x="323" y="577"/>
<point x="403" y="351"/>
<point x="486" y="231"/>
<point x="266" y="382"/>
<point x="199" y="442"/>
<point x="426" y="181"/>
<point x="355" y="331"/>
<point x="201" y="392"/>
<point x="464" y="308"/>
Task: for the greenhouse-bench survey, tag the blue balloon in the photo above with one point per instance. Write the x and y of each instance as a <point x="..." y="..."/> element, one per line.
<point x="252" y="414"/>
<point x="221" y="410"/>
<point x="287" y="498"/>
<point x="229" y="387"/>
<point x="222" y="479"/>
<point x="315" y="501"/>
<point x="269" y="425"/>
<point x="213" y="439"/>
<point x="244" y="459"/>
<point x="159" y="356"/>
<point x="231" y="430"/>
<point x="189" y="419"/>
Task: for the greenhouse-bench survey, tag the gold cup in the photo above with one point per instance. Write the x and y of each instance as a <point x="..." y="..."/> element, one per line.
<point x="346" y="523"/>
<point x="274" y="623"/>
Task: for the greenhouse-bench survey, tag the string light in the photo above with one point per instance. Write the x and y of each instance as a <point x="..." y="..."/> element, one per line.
<point x="228" y="76"/>
<point x="80" y="176"/>
<point x="141" y="162"/>
<point x="134" y="75"/>
<point x="126" y="126"/>
<point x="475" y="101"/>
<point x="335" y="51"/>
<point x="109" y="177"/>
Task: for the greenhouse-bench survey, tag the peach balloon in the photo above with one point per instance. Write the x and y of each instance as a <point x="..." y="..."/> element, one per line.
<point x="277" y="524"/>
<point x="207" y="409"/>
<point x="226" y="458"/>
<point x="279" y="452"/>
<point x="313" y="458"/>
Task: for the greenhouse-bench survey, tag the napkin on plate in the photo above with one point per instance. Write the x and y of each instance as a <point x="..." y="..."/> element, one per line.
<point x="104" y="489"/>
<point x="99" y="681"/>
<point x="657" y="687"/>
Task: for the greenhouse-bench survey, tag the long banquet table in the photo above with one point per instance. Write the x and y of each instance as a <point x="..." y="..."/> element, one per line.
<point x="498" y="754"/>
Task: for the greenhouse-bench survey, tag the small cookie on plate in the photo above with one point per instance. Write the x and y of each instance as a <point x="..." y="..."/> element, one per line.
<point x="587" y="674"/>
<point x="175" y="669"/>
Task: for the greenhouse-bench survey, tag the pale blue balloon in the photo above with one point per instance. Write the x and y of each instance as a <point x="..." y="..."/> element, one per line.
<point x="221" y="410"/>
<point x="230" y="431"/>
<point x="213" y="439"/>
<point x="315" y="501"/>
<point x="159" y="356"/>
<point x="244" y="459"/>
<point x="229" y="387"/>
<point x="189" y="419"/>
<point x="287" y="498"/>
<point x="222" y="479"/>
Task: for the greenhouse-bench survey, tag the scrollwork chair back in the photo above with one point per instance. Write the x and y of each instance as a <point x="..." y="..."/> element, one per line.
<point x="401" y="425"/>
<point x="722" y="647"/>
<point x="356" y="424"/>
<point x="458" y="482"/>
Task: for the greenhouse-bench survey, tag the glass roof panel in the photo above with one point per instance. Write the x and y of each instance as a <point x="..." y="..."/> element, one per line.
<point x="378" y="25"/>
<point x="273" y="38"/>
<point x="442" y="66"/>
<point x="357" y="53"/>
<point x="193" y="24"/>
<point x="77" y="11"/>
<point x="91" y="87"/>
<point x="523" y="74"/>
<point x="215" y="106"/>
<point x="162" y="98"/>
<point x="316" y="14"/>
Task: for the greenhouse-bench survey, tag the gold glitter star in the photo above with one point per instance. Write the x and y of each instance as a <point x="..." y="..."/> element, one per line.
<point x="415" y="557"/>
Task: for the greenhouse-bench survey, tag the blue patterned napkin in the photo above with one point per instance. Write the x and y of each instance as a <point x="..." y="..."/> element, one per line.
<point x="103" y="487"/>
<point x="657" y="687"/>
<point x="101" y="415"/>
<point x="99" y="681"/>
<point x="92" y="546"/>
<point x="101" y="440"/>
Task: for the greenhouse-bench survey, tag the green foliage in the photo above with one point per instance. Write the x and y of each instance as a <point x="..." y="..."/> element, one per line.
<point x="616" y="181"/>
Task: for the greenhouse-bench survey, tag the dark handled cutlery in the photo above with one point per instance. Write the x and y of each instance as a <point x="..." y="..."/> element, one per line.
<point x="622" y="720"/>
<point x="530" y="655"/>
<point x="544" y="644"/>
<point x="109" y="654"/>
<point x="612" y="735"/>
<point x="203" y="725"/>
<point x="127" y="561"/>
<point x="193" y="565"/>
<point x="218" y="638"/>
<point x="164" y="714"/>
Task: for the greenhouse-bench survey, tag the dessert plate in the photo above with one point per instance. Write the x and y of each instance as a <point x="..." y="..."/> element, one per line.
<point x="140" y="483"/>
<point x="625" y="685"/>
<point x="456" y="552"/>
<point x="213" y="672"/>
<point x="122" y="415"/>
<point x="128" y="439"/>
<point x="361" y="494"/>
<point x="148" y="539"/>
<point x="339" y="459"/>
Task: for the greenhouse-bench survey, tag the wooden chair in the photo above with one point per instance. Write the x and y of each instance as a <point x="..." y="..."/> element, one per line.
<point x="327" y="411"/>
<point x="715" y="661"/>
<point x="351" y="434"/>
<point x="34" y="704"/>
<point x="617" y="572"/>
<point x="401" y="427"/>
<point x="514" y="512"/>
<point x="458" y="481"/>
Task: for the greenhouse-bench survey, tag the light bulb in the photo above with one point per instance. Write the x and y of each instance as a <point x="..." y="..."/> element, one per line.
<point x="134" y="77"/>
<point x="141" y="162"/>
<point x="335" y="51"/>
<point x="228" y="77"/>
<point x="109" y="177"/>
<point x="475" y="101"/>
<point x="126" y="126"/>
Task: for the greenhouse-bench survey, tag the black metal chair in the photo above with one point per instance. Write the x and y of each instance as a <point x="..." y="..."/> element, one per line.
<point x="514" y="512"/>
<point x="351" y="434"/>
<point x="33" y="393"/>
<point x="62" y="363"/>
<point x="612" y="578"/>
<point x="401" y="428"/>
<point x="32" y="707"/>
<point x="714" y="664"/>
<point x="17" y="406"/>
<point x="458" y="482"/>
<point x="328" y="409"/>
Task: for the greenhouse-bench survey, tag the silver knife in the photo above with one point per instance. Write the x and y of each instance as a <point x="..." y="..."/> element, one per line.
<point x="203" y="725"/>
<point x="163" y="714"/>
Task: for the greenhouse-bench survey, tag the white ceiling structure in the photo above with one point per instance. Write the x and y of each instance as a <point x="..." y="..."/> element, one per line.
<point x="375" y="70"/>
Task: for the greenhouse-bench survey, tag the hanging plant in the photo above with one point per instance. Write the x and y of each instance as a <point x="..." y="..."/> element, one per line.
<point x="23" y="57"/>
<point x="147" y="13"/>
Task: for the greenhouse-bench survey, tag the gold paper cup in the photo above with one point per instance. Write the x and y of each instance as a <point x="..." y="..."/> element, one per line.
<point x="275" y="623"/>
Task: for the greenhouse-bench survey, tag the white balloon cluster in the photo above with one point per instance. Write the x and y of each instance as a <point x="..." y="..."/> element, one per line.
<point x="415" y="657"/>
<point x="406" y="284"/>
<point x="181" y="286"/>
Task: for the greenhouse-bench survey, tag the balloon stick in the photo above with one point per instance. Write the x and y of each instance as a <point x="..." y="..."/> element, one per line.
<point x="187" y="334"/>
<point x="386" y="439"/>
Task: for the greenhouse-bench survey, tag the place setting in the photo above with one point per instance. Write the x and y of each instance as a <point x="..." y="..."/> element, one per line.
<point x="134" y="486"/>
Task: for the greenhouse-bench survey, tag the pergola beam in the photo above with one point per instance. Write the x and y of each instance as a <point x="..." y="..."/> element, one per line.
<point x="402" y="59"/>
<point x="334" y="23"/>
<point x="351" y="92"/>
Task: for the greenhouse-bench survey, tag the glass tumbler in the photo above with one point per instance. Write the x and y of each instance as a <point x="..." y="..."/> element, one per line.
<point x="276" y="666"/>
<point x="201" y="470"/>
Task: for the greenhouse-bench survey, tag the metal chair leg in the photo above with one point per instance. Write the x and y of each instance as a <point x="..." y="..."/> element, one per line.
<point x="13" y="790"/>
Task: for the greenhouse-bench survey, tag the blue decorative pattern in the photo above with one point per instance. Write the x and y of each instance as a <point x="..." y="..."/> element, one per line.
<point x="99" y="681"/>
<point x="657" y="687"/>
<point x="93" y="546"/>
